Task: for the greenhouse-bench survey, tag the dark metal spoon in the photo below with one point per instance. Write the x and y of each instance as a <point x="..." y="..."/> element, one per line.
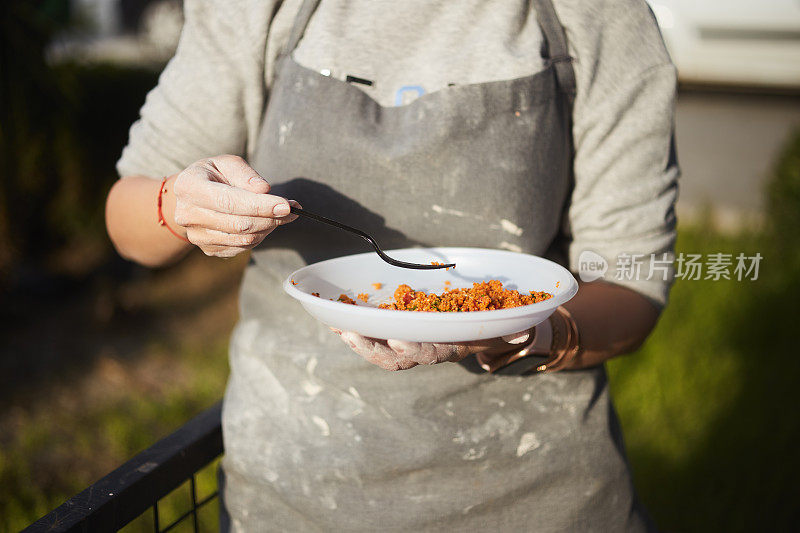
<point x="369" y="239"/>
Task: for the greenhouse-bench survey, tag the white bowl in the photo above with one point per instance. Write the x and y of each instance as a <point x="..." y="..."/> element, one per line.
<point x="355" y="274"/>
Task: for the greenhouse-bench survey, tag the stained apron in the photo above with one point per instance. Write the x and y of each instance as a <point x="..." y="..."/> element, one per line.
<point x="316" y="438"/>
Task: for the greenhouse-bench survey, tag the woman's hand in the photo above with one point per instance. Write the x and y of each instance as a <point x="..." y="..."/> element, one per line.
<point x="402" y="355"/>
<point x="224" y="206"/>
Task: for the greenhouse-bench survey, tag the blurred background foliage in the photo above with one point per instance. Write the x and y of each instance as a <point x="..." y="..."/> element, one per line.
<point x="707" y="405"/>
<point x="783" y="204"/>
<point x="61" y="129"/>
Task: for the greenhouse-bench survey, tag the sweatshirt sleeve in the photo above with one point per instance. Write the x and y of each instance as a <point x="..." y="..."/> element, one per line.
<point x="622" y="205"/>
<point x="197" y="108"/>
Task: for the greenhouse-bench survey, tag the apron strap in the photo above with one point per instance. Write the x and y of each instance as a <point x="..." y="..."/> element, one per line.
<point x="557" y="54"/>
<point x="556" y="48"/>
<point x="300" y="23"/>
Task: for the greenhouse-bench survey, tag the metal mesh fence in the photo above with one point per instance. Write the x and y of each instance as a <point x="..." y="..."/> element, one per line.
<point x="129" y="492"/>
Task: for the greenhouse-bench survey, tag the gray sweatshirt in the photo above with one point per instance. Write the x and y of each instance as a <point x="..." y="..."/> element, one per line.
<point x="211" y="96"/>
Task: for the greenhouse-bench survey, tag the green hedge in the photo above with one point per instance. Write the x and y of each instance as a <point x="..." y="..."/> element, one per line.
<point x="783" y="202"/>
<point x="61" y="130"/>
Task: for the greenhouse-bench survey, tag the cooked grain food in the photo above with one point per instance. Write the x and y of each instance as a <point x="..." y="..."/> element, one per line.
<point x="345" y="299"/>
<point x="483" y="296"/>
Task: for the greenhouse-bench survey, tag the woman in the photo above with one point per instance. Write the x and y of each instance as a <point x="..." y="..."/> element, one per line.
<point x="425" y="123"/>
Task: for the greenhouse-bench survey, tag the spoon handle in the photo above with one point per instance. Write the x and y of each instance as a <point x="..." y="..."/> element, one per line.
<point x="367" y="237"/>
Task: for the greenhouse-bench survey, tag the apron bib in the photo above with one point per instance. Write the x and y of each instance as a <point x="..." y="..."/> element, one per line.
<point x="317" y="438"/>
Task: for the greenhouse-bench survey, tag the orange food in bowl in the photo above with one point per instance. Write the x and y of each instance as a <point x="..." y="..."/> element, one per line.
<point x="345" y="299"/>
<point x="483" y="296"/>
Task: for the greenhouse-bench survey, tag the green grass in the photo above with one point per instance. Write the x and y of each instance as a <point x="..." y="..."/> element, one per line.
<point x="708" y="405"/>
<point x="55" y="453"/>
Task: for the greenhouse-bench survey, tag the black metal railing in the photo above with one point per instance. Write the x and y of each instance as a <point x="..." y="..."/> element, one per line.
<point x="138" y="485"/>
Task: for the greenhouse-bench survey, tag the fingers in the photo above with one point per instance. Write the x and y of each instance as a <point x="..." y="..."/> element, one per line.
<point x="198" y="217"/>
<point x="456" y="352"/>
<point x="224" y="206"/>
<point x="487" y="345"/>
<point x="376" y="351"/>
<point x="429" y="353"/>
<point x="421" y="352"/>
<point x="223" y="251"/>
<point x="290" y="217"/>
<point x="209" y="237"/>
<point x="517" y="338"/>
<point x="502" y="344"/>
<point x="227" y="184"/>
<point x="400" y="355"/>
<point x="234" y="170"/>
<point x="223" y="198"/>
<point x="395" y="354"/>
<point x="243" y="233"/>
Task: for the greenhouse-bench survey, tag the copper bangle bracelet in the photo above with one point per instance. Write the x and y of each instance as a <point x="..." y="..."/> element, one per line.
<point x="566" y="341"/>
<point x="564" y="346"/>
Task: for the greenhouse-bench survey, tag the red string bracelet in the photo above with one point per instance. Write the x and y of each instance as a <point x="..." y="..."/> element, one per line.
<point x="161" y="220"/>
